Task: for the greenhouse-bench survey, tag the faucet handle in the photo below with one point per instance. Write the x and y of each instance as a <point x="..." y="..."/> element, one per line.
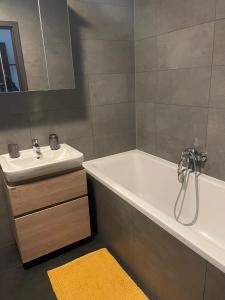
<point x="34" y="142"/>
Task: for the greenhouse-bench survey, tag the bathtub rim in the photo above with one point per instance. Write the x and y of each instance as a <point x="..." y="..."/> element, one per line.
<point x="210" y="251"/>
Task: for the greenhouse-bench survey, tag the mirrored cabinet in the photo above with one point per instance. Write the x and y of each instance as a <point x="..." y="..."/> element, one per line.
<point x="35" y="46"/>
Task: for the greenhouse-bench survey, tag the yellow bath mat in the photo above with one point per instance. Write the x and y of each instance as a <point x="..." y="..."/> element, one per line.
<point x="95" y="276"/>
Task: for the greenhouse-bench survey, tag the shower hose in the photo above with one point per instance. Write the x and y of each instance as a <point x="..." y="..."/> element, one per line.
<point x="183" y="188"/>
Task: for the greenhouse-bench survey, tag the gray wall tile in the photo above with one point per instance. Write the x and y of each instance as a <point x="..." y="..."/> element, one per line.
<point x="146" y="86"/>
<point x="146" y="54"/>
<point x="220" y="9"/>
<point x="102" y="56"/>
<point x="216" y="143"/>
<point x="14" y="128"/>
<point x="145" y="18"/>
<point x="191" y="47"/>
<point x="184" y="86"/>
<point x="175" y="14"/>
<point x="113" y="119"/>
<point x="113" y="2"/>
<point x="217" y="92"/>
<point x="181" y="121"/>
<point x="115" y="143"/>
<point x="145" y="116"/>
<point x="111" y="88"/>
<point x="108" y="22"/>
<point x="219" y="43"/>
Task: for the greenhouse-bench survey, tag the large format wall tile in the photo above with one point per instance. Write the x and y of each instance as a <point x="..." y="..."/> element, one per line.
<point x="111" y="88"/>
<point x="112" y="119"/>
<point x="103" y="56"/>
<point x="177" y="14"/>
<point x="217" y="92"/>
<point x="220" y="9"/>
<point x="146" y="86"/>
<point x="145" y="116"/>
<point x="145" y="18"/>
<point x="184" y="86"/>
<point x="219" y="43"/>
<point x="108" y="22"/>
<point x="146" y="54"/>
<point x="216" y="143"/>
<point x="14" y="128"/>
<point x="115" y="143"/>
<point x="191" y="47"/>
<point x="181" y="121"/>
<point x="68" y="124"/>
<point x="114" y="2"/>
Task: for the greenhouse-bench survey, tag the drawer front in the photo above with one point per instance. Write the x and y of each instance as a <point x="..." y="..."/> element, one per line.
<point x="37" y="195"/>
<point x="53" y="228"/>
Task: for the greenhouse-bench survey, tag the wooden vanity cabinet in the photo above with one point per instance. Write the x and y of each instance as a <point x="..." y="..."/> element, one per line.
<point x="49" y="214"/>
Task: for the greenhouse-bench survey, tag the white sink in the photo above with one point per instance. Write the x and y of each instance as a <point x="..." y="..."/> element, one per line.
<point x="27" y="166"/>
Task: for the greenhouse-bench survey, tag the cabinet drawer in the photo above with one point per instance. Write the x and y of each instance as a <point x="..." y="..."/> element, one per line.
<point x="53" y="228"/>
<point x="37" y="195"/>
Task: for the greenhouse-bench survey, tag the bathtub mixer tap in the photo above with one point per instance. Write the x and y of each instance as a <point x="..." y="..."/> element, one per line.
<point x="193" y="160"/>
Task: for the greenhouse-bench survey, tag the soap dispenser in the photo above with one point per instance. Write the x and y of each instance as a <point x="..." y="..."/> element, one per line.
<point x="54" y="141"/>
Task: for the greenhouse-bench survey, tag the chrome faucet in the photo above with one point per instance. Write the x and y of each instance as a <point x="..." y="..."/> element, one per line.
<point x="36" y="148"/>
<point x="193" y="160"/>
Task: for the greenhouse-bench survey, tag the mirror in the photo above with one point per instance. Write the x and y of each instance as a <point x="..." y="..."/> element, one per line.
<point x="35" y="46"/>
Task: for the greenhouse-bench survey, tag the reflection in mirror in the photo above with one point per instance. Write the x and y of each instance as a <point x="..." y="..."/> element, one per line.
<point x="12" y="71"/>
<point x="35" y="46"/>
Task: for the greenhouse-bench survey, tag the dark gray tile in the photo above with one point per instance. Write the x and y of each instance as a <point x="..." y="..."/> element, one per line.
<point x="174" y="14"/>
<point x="113" y="2"/>
<point x="145" y="116"/>
<point x="216" y="126"/>
<point x="146" y="87"/>
<point x="191" y="47"/>
<point x="145" y="18"/>
<point x="81" y="250"/>
<point x="112" y="210"/>
<point x="220" y="9"/>
<point x="85" y="144"/>
<point x="170" y="147"/>
<point x="165" y="265"/>
<point x="182" y="122"/>
<point x="219" y="43"/>
<point x="216" y="143"/>
<point x="68" y="124"/>
<point x="146" y="54"/>
<point x="216" y="160"/>
<point x="146" y="141"/>
<point x="111" y="88"/>
<point x="115" y="143"/>
<point x="14" y="128"/>
<point x="6" y="232"/>
<point x="184" y="86"/>
<point x="9" y="258"/>
<point x="60" y="99"/>
<point x="108" y="56"/>
<point x="217" y="92"/>
<point x="108" y="22"/>
<point x="112" y="119"/>
<point x="215" y="284"/>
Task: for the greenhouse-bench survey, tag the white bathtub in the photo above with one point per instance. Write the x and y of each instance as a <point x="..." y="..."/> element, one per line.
<point x="150" y="185"/>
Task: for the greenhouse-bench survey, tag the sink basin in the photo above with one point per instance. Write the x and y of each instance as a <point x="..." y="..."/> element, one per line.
<point x="27" y="166"/>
